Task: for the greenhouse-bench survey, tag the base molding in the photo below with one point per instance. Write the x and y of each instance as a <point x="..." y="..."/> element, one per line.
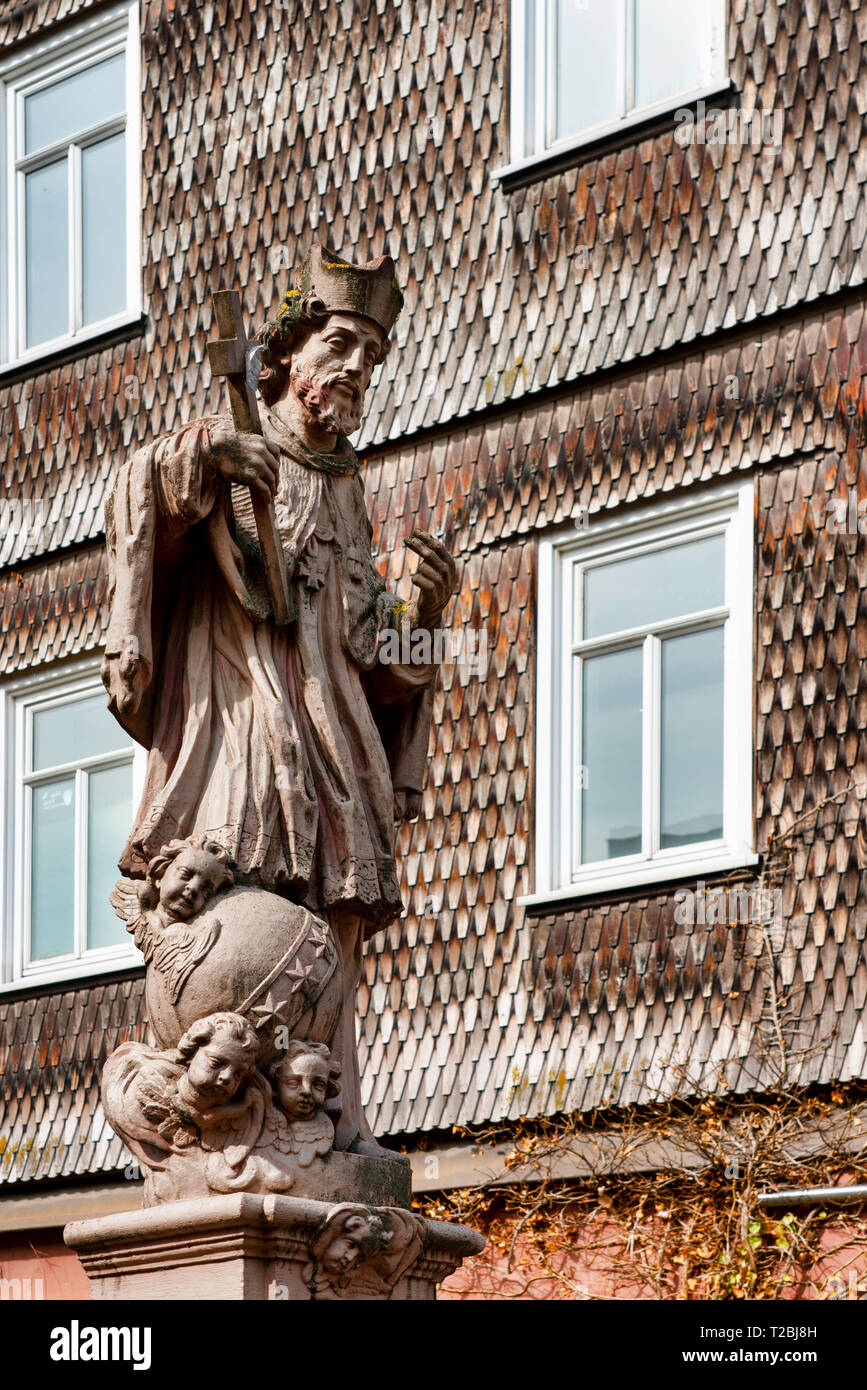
<point x="246" y="1246"/>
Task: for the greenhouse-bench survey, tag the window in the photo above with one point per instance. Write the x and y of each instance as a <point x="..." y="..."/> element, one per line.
<point x="69" y="112"/>
<point x="644" y="757"/>
<point x="69" y="805"/>
<point x="582" y="69"/>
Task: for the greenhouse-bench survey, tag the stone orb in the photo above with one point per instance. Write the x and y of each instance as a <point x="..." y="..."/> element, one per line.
<point x="267" y="958"/>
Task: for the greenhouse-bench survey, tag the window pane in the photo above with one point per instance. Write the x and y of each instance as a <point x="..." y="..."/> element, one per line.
<point x="586" y="65"/>
<point x="652" y="588"/>
<point x="529" y="76"/>
<point x="670" y="39"/>
<point x="611" y="744"/>
<point x="109" y="811"/>
<point x="52" y="891"/>
<point x="74" y="104"/>
<point x="692" y="738"/>
<point x="46" y="230"/>
<point x="75" y="730"/>
<point x="103" y="228"/>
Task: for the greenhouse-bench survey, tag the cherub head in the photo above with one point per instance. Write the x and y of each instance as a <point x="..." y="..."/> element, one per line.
<point x="350" y="1235"/>
<point x="305" y="1078"/>
<point x="345" y="1246"/>
<point x="186" y="874"/>
<point x="219" y="1052"/>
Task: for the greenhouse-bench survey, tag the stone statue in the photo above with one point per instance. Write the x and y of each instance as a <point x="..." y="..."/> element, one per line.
<point x="254" y="650"/>
<point x="198" y="1119"/>
<point x="203" y="1117"/>
<point x="281" y="749"/>
<point x="305" y="1078"/>
<point x="361" y="1253"/>
<point x="212" y="944"/>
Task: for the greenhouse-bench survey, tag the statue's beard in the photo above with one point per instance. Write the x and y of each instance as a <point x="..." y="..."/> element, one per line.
<point x="316" y="394"/>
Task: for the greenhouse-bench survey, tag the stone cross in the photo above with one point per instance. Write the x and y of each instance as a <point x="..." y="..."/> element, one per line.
<point x="228" y="358"/>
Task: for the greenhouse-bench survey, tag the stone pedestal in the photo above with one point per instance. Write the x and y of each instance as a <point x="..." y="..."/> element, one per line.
<point x="253" y="1246"/>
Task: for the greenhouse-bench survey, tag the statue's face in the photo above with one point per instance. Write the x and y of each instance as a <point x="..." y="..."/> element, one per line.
<point x="303" y="1086"/>
<point x="345" y="1248"/>
<point x="330" y="373"/>
<point x="188" y="883"/>
<point x="217" y="1069"/>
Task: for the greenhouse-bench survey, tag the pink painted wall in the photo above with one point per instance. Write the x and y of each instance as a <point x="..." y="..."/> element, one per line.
<point x="41" y="1255"/>
<point x="842" y="1271"/>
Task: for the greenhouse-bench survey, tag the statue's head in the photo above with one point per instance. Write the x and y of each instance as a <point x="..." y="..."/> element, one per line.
<point x="186" y="874"/>
<point x="349" y="1234"/>
<point x="219" y="1053"/>
<point x="330" y="332"/>
<point x="306" y="1077"/>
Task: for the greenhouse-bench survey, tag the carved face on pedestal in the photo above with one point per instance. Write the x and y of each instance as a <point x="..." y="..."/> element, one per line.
<point x="189" y="882"/>
<point x="345" y="1247"/>
<point x="302" y="1085"/>
<point x="330" y="371"/>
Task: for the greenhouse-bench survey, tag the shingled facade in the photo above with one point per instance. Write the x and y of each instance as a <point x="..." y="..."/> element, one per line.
<point x="630" y="325"/>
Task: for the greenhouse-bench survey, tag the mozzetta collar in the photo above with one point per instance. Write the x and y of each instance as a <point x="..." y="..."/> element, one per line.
<point x="342" y="460"/>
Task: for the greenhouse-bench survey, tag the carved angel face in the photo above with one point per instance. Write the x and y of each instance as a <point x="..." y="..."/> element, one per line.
<point x="217" y="1069"/>
<point x="302" y="1085"/>
<point x="344" y="1250"/>
<point x="331" y="371"/>
<point x="189" y="882"/>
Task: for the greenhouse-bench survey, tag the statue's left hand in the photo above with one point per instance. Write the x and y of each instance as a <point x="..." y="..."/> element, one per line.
<point x="436" y="577"/>
<point x="123" y="678"/>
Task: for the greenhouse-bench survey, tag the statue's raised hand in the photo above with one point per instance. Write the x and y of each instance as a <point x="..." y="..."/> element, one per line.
<point x="244" y="458"/>
<point x="436" y="578"/>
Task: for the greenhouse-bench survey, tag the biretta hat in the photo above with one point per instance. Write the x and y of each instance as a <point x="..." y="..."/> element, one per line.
<point x="371" y="290"/>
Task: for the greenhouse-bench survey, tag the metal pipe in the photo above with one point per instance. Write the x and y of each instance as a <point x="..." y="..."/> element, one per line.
<point x="814" y="1196"/>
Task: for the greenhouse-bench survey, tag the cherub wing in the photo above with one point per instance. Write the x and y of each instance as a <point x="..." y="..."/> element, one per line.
<point x="153" y="1099"/>
<point x="178" y="950"/>
<point x="124" y="898"/>
<point x="276" y="1132"/>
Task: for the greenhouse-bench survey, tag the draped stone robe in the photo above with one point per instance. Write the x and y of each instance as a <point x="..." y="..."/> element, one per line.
<point x="284" y="743"/>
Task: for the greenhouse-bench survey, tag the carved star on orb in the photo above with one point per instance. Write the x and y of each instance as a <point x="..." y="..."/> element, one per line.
<point x="270" y="1011"/>
<point x="319" y="937"/>
<point x="301" y="975"/>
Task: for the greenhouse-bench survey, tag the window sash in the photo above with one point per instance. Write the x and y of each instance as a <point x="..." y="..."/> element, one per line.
<point x="547" y="33"/>
<point x="80" y="950"/>
<point x="651" y="737"/>
<point x="650" y="637"/>
<point x="37" y="704"/>
<point x="57" y="57"/>
<point x="534" y="50"/>
<point x="79" y="769"/>
<point x="70" y="149"/>
<point x="669" y="522"/>
<point x="20" y="700"/>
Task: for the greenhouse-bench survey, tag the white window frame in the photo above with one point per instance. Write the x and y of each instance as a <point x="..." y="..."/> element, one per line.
<point x="728" y="511"/>
<point x="113" y="31"/>
<point x="18" y="699"/>
<point x="532" y="103"/>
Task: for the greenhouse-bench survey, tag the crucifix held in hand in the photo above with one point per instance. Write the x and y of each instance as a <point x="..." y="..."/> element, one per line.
<point x="228" y="357"/>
